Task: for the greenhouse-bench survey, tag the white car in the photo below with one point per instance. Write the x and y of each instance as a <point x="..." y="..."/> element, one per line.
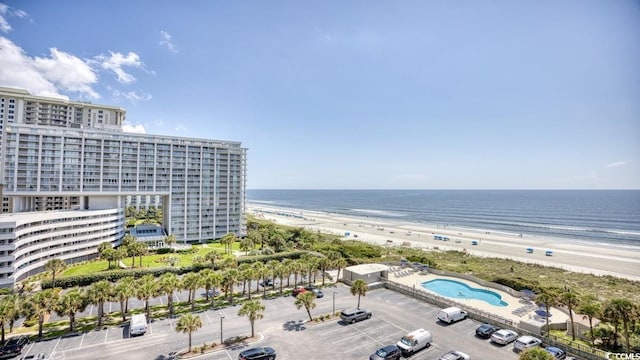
<point x="455" y="355"/>
<point x="504" y="336"/>
<point x="525" y="342"/>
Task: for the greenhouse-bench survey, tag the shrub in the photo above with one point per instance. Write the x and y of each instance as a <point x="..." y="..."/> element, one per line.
<point x="165" y="251"/>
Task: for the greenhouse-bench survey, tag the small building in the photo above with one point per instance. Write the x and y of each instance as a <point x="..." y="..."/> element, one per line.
<point x="370" y="273"/>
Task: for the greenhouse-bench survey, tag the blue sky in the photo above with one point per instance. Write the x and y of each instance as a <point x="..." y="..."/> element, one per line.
<point x="358" y="94"/>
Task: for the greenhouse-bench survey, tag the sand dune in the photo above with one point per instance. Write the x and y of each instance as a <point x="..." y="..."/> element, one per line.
<point x="567" y="254"/>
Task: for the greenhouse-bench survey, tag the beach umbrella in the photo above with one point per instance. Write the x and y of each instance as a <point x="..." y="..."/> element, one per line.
<point x="543" y="313"/>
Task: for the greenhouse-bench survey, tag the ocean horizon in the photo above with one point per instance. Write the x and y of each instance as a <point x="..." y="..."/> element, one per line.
<point x="609" y="217"/>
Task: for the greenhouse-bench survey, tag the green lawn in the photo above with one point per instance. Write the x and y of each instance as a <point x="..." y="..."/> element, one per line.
<point x="148" y="261"/>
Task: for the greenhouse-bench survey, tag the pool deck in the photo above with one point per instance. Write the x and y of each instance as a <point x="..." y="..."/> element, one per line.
<point x="518" y="309"/>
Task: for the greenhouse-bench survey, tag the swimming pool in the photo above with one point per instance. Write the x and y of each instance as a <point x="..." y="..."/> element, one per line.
<point x="458" y="290"/>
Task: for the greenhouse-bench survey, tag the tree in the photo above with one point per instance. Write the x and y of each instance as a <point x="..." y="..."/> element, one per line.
<point x="99" y="293"/>
<point x="55" y="266"/>
<point x="306" y="299"/>
<point x="549" y="299"/>
<point x="212" y="256"/>
<point x="359" y="288"/>
<point x="616" y="310"/>
<point x="191" y="282"/>
<point x="4" y="316"/>
<point x="188" y="324"/>
<point x="128" y="240"/>
<point x="227" y="240"/>
<point x="339" y="263"/>
<point x="324" y="263"/>
<point x="106" y="252"/>
<point x="42" y="304"/>
<point x="252" y="309"/>
<point x="168" y="283"/>
<point x="210" y="280"/>
<point x="590" y="308"/>
<point x="259" y="271"/>
<point x="71" y="303"/>
<point x="535" y="353"/>
<point x="170" y="240"/>
<point x="146" y="289"/>
<point x="246" y="244"/>
<point x="570" y="300"/>
<point x="229" y="278"/>
<point x="122" y="291"/>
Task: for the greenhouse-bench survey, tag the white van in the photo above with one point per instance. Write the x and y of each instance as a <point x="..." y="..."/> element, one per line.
<point x="138" y="325"/>
<point x="452" y="314"/>
<point x="414" y="341"/>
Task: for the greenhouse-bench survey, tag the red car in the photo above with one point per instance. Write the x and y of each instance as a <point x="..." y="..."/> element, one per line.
<point x="298" y="290"/>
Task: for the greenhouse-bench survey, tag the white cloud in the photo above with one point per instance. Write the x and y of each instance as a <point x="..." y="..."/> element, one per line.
<point x="180" y="128"/>
<point x="67" y="72"/>
<point x="131" y="128"/>
<point x="617" y="164"/>
<point x="167" y="42"/>
<point x="45" y="76"/>
<point x="132" y="96"/>
<point x="115" y="63"/>
<point x="7" y="11"/>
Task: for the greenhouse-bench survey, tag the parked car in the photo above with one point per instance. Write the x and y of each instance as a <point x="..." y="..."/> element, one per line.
<point x="504" y="336"/>
<point x="258" y="353"/>
<point x="389" y="352"/>
<point x="266" y="282"/>
<point x="486" y="330"/>
<point x="298" y="290"/>
<point x="352" y="315"/>
<point x="455" y="355"/>
<point x="314" y="290"/>
<point x="34" y="357"/>
<point x="556" y="352"/>
<point x="14" y="346"/>
<point x="525" y="342"/>
<point x="452" y="314"/>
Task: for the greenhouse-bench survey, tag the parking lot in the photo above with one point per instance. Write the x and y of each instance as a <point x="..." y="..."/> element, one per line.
<point x="282" y="328"/>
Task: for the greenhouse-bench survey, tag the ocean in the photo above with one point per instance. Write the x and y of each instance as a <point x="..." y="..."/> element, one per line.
<point x="598" y="216"/>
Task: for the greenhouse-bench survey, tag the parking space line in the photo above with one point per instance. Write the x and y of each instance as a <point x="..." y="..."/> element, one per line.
<point x="206" y="313"/>
<point x="106" y="333"/>
<point x="82" y="340"/>
<point x="90" y="310"/>
<point x="55" y="347"/>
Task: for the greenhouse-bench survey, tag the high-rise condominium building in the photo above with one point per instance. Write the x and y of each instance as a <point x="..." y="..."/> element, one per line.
<point x="68" y="172"/>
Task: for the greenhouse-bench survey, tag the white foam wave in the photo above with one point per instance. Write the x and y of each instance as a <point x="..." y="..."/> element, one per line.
<point x="378" y="212"/>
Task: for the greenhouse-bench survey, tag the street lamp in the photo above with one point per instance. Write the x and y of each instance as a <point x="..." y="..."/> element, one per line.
<point x="221" y="318"/>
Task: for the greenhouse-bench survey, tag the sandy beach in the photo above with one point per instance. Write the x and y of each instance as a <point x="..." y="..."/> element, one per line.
<point x="567" y="254"/>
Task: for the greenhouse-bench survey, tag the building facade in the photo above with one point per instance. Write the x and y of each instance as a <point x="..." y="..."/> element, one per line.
<point x="85" y="163"/>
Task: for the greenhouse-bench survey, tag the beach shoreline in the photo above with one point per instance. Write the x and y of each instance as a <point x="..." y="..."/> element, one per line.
<point x="574" y="255"/>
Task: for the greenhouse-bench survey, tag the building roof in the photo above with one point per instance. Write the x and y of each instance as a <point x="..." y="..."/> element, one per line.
<point x="364" y="269"/>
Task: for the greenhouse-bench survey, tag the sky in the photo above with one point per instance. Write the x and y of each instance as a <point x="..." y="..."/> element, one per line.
<point x="414" y="94"/>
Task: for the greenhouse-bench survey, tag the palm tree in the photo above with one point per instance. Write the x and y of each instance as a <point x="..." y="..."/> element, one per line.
<point x="229" y="279"/>
<point x="324" y="263"/>
<point x="191" y="282"/>
<point x="622" y="310"/>
<point x="306" y="299"/>
<point x="146" y="289"/>
<point x="211" y="280"/>
<point x="548" y="299"/>
<point x="286" y="263"/>
<point x="55" y="266"/>
<point x="259" y="271"/>
<point x="359" y="288"/>
<point x="253" y="309"/>
<point x="246" y="244"/>
<point x="272" y="266"/>
<point x="255" y="237"/>
<point x="296" y="268"/>
<point x="590" y="308"/>
<point x="122" y="291"/>
<point x="128" y="240"/>
<point x="5" y="317"/>
<point x="188" y="324"/>
<point x="535" y="353"/>
<point x="13" y="308"/>
<point x="212" y="256"/>
<point x="227" y="240"/>
<point x="571" y="300"/>
<point x="42" y="303"/>
<point x="170" y="240"/>
<point x="70" y="303"/>
<point x="167" y="284"/>
<point x="99" y="293"/>
<point x="339" y="263"/>
<point x="280" y="271"/>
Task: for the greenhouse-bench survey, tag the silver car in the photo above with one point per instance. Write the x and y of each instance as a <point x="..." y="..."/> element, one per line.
<point x="504" y="336"/>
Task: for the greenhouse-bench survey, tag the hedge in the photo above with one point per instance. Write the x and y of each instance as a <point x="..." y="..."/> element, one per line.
<point x="114" y="275"/>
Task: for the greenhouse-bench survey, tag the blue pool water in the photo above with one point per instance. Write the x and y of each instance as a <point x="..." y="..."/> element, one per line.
<point x="457" y="290"/>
